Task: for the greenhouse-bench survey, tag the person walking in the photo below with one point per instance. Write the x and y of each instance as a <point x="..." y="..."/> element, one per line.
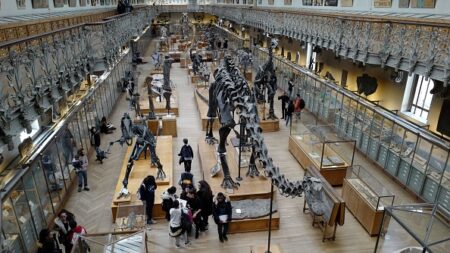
<point x="289" y="111"/>
<point x="186" y="155"/>
<point x="176" y="229"/>
<point x="284" y="101"/>
<point x="147" y="195"/>
<point x="222" y="212"/>
<point x="205" y="195"/>
<point x="168" y="197"/>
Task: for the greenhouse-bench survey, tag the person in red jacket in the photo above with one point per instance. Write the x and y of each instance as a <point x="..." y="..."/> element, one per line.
<point x="75" y="232"/>
<point x="297" y="107"/>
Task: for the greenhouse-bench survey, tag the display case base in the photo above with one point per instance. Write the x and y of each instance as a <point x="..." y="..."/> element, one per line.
<point x="250" y="188"/>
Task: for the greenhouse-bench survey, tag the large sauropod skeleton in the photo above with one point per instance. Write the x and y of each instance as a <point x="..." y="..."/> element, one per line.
<point x="231" y="92"/>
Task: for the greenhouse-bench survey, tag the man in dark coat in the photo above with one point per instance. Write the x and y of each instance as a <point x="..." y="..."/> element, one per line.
<point x="284" y="100"/>
<point x="186" y="155"/>
<point x="147" y="195"/>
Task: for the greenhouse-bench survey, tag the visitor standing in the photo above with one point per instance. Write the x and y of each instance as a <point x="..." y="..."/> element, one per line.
<point x="193" y="202"/>
<point x="176" y="229"/>
<point x="205" y="195"/>
<point x="74" y="235"/>
<point x="298" y="107"/>
<point x="63" y="228"/>
<point x="222" y="215"/>
<point x="186" y="155"/>
<point x="81" y="173"/>
<point x="47" y="244"/>
<point x="147" y="195"/>
<point x="290" y="87"/>
<point x="284" y="101"/>
<point x="186" y="180"/>
<point x="168" y="197"/>
<point x="289" y="111"/>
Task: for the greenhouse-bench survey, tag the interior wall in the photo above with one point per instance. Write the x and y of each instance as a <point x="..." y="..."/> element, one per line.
<point x="389" y="93"/>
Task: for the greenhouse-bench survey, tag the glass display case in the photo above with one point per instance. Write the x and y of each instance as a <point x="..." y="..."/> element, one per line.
<point x="32" y="194"/>
<point x="366" y="198"/>
<point x="414" y="228"/>
<point x="421" y="158"/>
<point x="413" y="155"/>
<point x="319" y="146"/>
<point x="12" y="239"/>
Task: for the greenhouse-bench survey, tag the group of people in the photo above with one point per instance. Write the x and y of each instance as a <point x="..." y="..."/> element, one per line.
<point x="68" y="234"/>
<point x="190" y="212"/>
<point x="291" y="107"/>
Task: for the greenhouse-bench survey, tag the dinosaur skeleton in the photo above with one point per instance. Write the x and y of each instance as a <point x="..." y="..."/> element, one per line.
<point x="245" y="58"/>
<point x="266" y="79"/>
<point x="196" y="60"/>
<point x="231" y="92"/>
<point x="145" y="139"/>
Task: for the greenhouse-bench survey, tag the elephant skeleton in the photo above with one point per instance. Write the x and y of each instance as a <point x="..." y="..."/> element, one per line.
<point x="231" y="92"/>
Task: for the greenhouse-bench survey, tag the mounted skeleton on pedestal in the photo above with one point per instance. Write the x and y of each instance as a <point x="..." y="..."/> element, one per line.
<point x="231" y="92"/>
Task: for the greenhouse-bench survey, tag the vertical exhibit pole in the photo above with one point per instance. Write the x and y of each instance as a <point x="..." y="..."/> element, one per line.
<point x="270" y="219"/>
<point x="241" y="132"/>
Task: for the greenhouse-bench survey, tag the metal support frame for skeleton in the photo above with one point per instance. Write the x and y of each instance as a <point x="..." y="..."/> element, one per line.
<point x="266" y="79"/>
<point x="231" y="92"/>
<point x="167" y="90"/>
<point x="151" y="106"/>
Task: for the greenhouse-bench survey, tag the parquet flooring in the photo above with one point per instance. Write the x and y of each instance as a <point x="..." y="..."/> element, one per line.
<point x="296" y="234"/>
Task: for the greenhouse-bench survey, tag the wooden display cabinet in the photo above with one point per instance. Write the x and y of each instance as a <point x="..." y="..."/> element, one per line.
<point x="366" y="199"/>
<point x="322" y="153"/>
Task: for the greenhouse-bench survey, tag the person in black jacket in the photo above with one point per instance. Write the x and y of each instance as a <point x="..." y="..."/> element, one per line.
<point x="95" y="137"/>
<point x="290" y="87"/>
<point x="289" y="112"/>
<point x="186" y="155"/>
<point x="193" y="202"/>
<point x="284" y="100"/>
<point x="186" y="180"/>
<point x="222" y="212"/>
<point x="47" y="243"/>
<point x="147" y="195"/>
<point x="205" y="195"/>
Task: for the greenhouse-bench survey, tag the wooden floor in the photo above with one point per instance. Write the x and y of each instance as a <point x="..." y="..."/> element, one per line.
<point x="92" y="209"/>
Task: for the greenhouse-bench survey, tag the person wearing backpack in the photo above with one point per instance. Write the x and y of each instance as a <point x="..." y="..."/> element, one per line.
<point x="146" y="193"/>
<point x="186" y="180"/>
<point x="186" y="155"/>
